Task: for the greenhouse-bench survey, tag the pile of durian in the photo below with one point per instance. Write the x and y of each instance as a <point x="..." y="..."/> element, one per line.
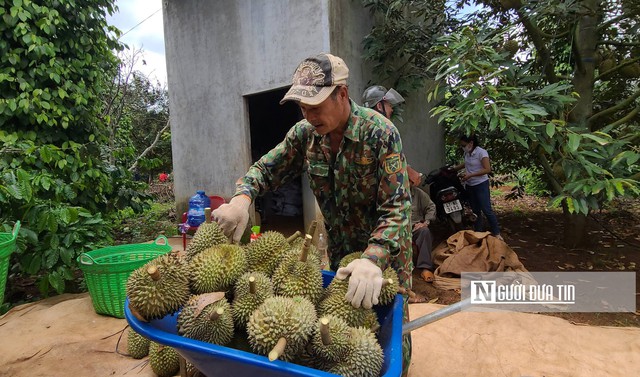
<point x="264" y="297"/>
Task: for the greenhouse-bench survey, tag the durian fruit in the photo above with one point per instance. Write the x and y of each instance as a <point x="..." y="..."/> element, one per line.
<point x="511" y="46"/>
<point x="350" y="258"/>
<point x="389" y="287"/>
<point x="250" y="291"/>
<point x="511" y="4"/>
<point x="164" y="360"/>
<point x="208" y="318"/>
<point x="264" y="253"/>
<point x="217" y="268"/>
<point x="208" y="234"/>
<point x="158" y="288"/>
<point x="137" y="345"/>
<point x="364" y="358"/>
<point x="330" y="341"/>
<point x="281" y="327"/>
<point x="299" y="276"/>
<point x="335" y="304"/>
<point x="606" y="65"/>
<point x="630" y="70"/>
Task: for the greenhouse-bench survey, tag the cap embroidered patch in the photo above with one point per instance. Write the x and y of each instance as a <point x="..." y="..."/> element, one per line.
<point x="392" y="163"/>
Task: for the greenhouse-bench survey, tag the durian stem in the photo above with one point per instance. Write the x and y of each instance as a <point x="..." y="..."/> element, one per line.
<point x="154" y="273"/>
<point x="207" y="215"/>
<point x="216" y="314"/>
<point x="252" y="285"/>
<point x="278" y="349"/>
<point x="387" y="282"/>
<point x="294" y="236"/>
<point x="312" y="228"/>
<point x="325" y="335"/>
<point x="183" y="366"/>
<point x="305" y="248"/>
<point x="136" y="314"/>
<point x="404" y="291"/>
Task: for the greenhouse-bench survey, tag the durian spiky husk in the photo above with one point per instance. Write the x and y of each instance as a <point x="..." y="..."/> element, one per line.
<point x="296" y="278"/>
<point x="201" y="326"/>
<point x="245" y="302"/>
<point x="137" y="345"/>
<point x="389" y="290"/>
<point x="292" y="318"/>
<point x="364" y="358"/>
<point x="164" y="360"/>
<point x="208" y="234"/>
<point x="350" y="258"/>
<point x="217" y="268"/>
<point x="263" y="254"/>
<point x="337" y="305"/>
<point x="338" y="348"/>
<point x="152" y="298"/>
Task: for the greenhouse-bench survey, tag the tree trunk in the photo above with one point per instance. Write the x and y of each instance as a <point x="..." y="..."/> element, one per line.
<point x="584" y="48"/>
<point x="575" y="229"/>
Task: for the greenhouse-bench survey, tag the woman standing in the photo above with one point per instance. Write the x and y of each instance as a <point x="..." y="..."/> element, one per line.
<point x="478" y="166"/>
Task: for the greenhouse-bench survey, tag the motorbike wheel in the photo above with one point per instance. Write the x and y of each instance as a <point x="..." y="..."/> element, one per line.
<point x="453" y="226"/>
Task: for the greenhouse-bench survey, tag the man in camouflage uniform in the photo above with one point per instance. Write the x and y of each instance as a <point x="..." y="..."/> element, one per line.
<point x="357" y="170"/>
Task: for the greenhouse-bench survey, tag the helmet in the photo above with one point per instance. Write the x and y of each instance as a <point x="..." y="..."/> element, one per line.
<point x="374" y="94"/>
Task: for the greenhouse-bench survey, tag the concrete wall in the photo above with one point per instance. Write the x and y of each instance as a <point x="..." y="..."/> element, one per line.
<point x="217" y="52"/>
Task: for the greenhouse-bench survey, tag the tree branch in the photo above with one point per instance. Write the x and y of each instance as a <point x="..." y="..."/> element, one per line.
<point x="625" y="118"/>
<point x="612" y="21"/>
<point x="614" y="43"/>
<point x="536" y="37"/>
<point x="557" y="187"/>
<point x="612" y="110"/>
<point x="149" y="148"/>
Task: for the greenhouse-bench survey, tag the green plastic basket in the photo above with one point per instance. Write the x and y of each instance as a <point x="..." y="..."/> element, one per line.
<point x="7" y="246"/>
<point x="106" y="272"/>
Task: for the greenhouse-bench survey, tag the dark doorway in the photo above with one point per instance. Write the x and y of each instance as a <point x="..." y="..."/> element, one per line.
<point x="279" y="210"/>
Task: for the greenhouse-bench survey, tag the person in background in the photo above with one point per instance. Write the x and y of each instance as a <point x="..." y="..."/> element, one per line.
<point x="423" y="211"/>
<point x="357" y="171"/>
<point x="476" y="178"/>
<point x="380" y="99"/>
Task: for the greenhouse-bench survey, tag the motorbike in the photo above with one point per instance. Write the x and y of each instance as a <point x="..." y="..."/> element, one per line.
<point x="449" y="196"/>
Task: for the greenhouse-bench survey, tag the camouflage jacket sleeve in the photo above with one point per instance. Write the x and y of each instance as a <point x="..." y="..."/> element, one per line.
<point x="392" y="234"/>
<point x="279" y="166"/>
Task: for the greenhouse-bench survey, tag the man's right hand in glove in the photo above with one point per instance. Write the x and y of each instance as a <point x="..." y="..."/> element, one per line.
<point x="233" y="216"/>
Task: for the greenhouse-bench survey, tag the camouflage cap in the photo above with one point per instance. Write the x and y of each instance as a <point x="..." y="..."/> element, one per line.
<point x="315" y="78"/>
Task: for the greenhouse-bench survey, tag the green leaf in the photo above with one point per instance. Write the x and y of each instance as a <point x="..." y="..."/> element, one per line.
<point x="57" y="282"/>
<point x="551" y="129"/>
<point x="574" y="142"/>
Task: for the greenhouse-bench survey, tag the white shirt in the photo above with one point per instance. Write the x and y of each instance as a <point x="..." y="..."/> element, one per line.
<point x="473" y="164"/>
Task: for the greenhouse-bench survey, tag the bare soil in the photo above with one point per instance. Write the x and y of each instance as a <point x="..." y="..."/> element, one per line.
<point x="535" y="233"/>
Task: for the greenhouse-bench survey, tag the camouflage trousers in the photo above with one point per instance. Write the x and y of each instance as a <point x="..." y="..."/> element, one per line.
<point x="406" y="339"/>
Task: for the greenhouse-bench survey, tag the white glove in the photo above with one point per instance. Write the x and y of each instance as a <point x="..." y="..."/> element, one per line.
<point x="233" y="216"/>
<point x="365" y="282"/>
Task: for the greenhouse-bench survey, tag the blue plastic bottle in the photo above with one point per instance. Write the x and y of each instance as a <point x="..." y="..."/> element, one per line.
<point x="197" y="204"/>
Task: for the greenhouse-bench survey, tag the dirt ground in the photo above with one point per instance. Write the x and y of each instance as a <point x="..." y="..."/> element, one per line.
<point x="535" y="233"/>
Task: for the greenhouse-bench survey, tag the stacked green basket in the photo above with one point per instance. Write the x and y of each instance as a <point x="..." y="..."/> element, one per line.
<point x="106" y="272"/>
<point x="7" y="246"/>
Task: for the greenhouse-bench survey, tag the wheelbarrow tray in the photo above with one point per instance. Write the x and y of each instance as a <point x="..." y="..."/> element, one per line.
<point x="214" y="360"/>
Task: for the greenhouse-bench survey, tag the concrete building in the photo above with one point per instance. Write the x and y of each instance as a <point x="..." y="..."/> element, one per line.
<point x="229" y="62"/>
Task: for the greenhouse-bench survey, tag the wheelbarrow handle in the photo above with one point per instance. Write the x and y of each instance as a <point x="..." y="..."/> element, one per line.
<point x="435" y="316"/>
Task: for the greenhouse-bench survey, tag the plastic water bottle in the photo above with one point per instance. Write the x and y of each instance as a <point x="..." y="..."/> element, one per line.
<point x="322" y="247"/>
<point x="197" y="204"/>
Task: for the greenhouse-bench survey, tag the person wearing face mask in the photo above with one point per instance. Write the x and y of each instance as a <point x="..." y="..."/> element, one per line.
<point x="357" y="171"/>
<point x="380" y="99"/>
<point x="477" y="168"/>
